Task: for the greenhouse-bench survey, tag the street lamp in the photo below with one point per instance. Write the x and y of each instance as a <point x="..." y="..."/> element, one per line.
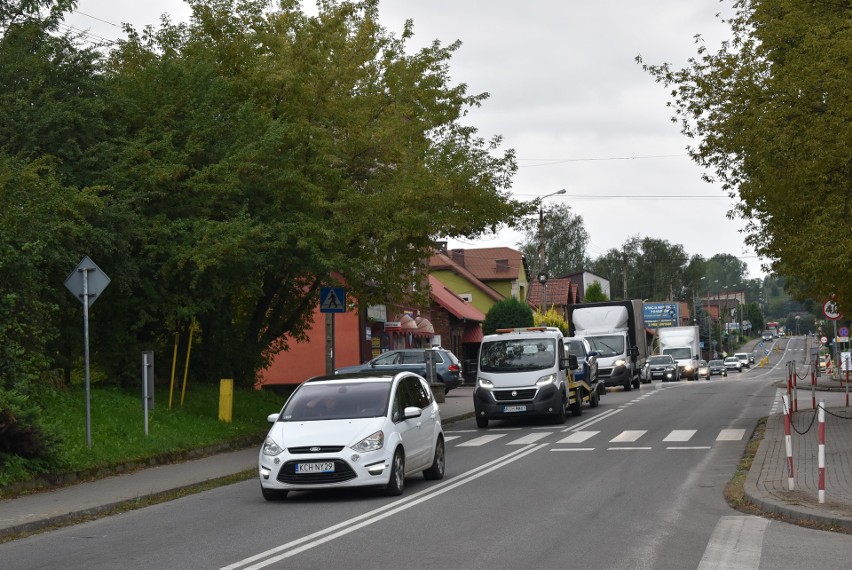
<point x="541" y="228"/>
<point x="542" y="278"/>
<point x="798" y="318"/>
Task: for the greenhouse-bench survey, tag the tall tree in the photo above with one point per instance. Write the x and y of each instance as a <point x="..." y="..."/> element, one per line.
<point x="772" y="116"/>
<point x="269" y="153"/>
<point x="564" y="237"/>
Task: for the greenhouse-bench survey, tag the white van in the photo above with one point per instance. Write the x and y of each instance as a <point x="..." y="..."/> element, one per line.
<point x="522" y="372"/>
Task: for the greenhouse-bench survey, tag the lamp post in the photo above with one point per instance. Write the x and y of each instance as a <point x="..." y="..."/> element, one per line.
<point x="541" y="229"/>
<point x="798" y="318"/>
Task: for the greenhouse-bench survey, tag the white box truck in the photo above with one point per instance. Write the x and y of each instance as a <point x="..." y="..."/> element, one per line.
<point x="616" y="332"/>
<point x="683" y="344"/>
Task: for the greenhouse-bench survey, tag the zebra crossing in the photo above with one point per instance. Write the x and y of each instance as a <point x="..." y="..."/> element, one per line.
<point x="676" y="439"/>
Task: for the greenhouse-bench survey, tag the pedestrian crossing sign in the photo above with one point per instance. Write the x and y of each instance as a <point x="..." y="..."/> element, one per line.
<point x="332" y="300"/>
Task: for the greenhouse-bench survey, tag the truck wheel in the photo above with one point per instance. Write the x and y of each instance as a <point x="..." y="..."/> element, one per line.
<point x="577" y="406"/>
<point x="481" y="422"/>
<point x="594" y="399"/>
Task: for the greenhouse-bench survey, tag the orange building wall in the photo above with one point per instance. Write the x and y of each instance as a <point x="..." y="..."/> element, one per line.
<point x="307" y="359"/>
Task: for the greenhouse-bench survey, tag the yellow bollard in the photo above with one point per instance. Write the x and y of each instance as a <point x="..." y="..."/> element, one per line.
<point x="226" y="400"/>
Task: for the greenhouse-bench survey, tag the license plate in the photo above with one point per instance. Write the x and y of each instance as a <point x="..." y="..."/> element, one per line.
<point x="510" y="409"/>
<point x="325" y="467"/>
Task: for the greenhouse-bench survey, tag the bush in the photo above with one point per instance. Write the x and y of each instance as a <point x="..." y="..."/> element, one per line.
<point x="508" y="314"/>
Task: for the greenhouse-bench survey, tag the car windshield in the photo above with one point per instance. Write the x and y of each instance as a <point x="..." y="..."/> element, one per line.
<point x="336" y="401"/>
<point x="610" y="345"/>
<point x="715" y="363"/>
<point x="659" y="360"/>
<point x="517" y="354"/>
<point x="576" y="349"/>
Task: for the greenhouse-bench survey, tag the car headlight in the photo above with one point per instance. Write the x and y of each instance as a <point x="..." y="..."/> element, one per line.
<point x="483" y="383"/>
<point x="270" y="447"/>
<point x="670" y="368"/>
<point x="370" y="443"/>
<point x="544" y="380"/>
<point x="620" y="362"/>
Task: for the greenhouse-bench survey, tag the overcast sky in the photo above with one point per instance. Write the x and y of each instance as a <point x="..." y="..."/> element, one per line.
<point x="567" y="95"/>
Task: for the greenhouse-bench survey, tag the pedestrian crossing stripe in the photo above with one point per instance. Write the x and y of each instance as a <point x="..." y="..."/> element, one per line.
<point x="626" y="436"/>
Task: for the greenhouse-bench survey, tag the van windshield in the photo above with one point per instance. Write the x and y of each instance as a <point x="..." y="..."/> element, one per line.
<point x="608" y="345"/>
<point x="515" y="355"/>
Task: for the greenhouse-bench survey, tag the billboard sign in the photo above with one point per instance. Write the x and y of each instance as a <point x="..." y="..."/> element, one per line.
<point x="658" y="315"/>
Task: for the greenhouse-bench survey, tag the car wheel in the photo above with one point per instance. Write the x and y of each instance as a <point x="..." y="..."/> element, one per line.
<point x="273" y="494"/>
<point x="594" y="399"/>
<point x="397" y="476"/>
<point x="436" y="470"/>
<point x="628" y="386"/>
<point x="577" y="406"/>
<point x="481" y="422"/>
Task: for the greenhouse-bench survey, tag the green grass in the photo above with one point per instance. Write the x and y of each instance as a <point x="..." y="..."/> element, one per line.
<point x="118" y="427"/>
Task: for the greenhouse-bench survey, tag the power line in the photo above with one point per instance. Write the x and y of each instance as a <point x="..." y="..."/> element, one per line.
<point x="552" y="161"/>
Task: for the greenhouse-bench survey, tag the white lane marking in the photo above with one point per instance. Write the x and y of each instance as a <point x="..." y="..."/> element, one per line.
<point x="578" y="437"/>
<point x="731" y="435"/>
<point x="450" y="437"/>
<point x="572" y="449"/>
<point x="586" y="423"/>
<point x="688" y="447"/>
<point x="627" y="448"/>
<point x="530" y="438"/>
<point x="736" y="544"/>
<point x="292" y="548"/>
<point x="482" y="440"/>
<point x="628" y="436"/>
<point x="680" y="435"/>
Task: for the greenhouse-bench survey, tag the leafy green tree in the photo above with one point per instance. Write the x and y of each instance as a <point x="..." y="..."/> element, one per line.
<point x="594" y="293"/>
<point x="772" y="118"/>
<point x="509" y="313"/>
<point x="565" y="240"/>
<point x="268" y="153"/>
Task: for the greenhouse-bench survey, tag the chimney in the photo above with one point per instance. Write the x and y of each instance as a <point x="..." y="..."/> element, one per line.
<point x="458" y="256"/>
<point x="442" y="247"/>
<point x="502" y="265"/>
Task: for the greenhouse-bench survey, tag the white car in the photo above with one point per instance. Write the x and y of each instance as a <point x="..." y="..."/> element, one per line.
<point x="351" y="430"/>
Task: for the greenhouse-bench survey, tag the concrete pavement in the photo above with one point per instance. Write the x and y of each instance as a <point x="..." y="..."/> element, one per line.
<point x="766" y="483"/>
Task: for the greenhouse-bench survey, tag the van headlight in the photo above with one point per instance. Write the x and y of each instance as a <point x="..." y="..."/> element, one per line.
<point x="483" y="383"/>
<point x="544" y="380"/>
<point x="270" y="447"/>
<point x="620" y="362"/>
<point x="370" y="443"/>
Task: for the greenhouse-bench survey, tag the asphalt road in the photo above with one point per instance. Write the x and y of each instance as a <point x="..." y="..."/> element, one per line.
<point x="634" y="483"/>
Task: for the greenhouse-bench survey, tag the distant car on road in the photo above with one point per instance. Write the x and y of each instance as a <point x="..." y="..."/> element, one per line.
<point x="743" y="356"/>
<point x="717" y="367"/>
<point x="733" y="363"/>
<point x="662" y="367"/>
<point x="703" y="369"/>
<point x="447" y="366"/>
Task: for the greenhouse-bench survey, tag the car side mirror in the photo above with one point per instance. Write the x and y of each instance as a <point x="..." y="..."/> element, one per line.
<point x="634" y="351"/>
<point x="572" y="362"/>
<point x="272" y="418"/>
<point x="411" y="412"/>
<point x="594" y="353"/>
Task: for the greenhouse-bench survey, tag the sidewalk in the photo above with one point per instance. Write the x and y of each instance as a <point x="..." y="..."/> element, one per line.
<point x="766" y="483"/>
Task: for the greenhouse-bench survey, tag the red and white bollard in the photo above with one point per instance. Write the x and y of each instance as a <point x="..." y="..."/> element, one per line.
<point x="788" y="441"/>
<point x="821" y="452"/>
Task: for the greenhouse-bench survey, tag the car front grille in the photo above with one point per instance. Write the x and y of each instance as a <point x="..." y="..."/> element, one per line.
<point x="515" y="395"/>
<point x="315" y="449"/>
<point x="342" y="472"/>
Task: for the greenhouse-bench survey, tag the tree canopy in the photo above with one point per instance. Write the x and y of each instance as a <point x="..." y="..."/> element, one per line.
<point x="565" y="240"/>
<point x="771" y="117"/>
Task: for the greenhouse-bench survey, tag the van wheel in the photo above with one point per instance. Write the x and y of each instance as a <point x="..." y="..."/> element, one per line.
<point x="628" y="386"/>
<point x="436" y="470"/>
<point x="481" y="422"/>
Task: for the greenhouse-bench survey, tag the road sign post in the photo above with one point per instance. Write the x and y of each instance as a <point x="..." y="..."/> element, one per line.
<point x="332" y="300"/>
<point x="86" y="282"/>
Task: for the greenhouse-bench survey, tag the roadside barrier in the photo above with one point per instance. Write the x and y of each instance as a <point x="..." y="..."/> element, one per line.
<point x="789" y="427"/>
